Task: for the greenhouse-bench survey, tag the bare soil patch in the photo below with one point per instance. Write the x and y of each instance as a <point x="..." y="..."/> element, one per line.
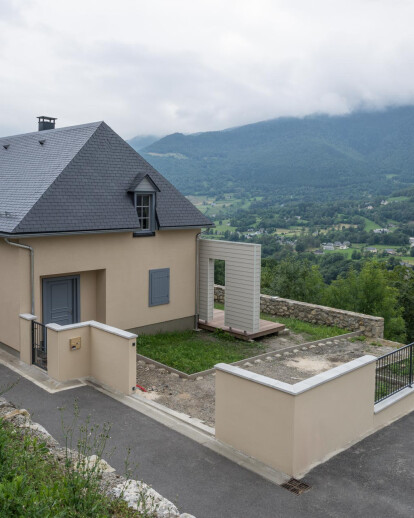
<point x="196" y="397"/>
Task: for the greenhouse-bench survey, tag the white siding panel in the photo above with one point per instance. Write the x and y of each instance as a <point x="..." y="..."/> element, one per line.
<point x="242" y="301"/>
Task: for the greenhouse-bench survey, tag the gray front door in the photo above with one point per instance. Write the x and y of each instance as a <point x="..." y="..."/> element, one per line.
<point x="61" y="300"/>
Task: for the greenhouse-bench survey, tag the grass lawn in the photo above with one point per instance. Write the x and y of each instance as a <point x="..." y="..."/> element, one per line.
<point x="311" y="331"/>
<point x="195" y="351"/>
<point x="370" y="225"/>
<point x="347" y="252"/>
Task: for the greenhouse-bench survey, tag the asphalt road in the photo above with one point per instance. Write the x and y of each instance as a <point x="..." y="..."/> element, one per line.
<point x="375" y="478"/>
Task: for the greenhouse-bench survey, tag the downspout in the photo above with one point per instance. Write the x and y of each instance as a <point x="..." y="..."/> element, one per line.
<point x="197" y="274"/>
<point x="27" y="247"/>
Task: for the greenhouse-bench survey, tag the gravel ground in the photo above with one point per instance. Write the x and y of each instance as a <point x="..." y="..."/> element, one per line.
<point x="196" y="397"/>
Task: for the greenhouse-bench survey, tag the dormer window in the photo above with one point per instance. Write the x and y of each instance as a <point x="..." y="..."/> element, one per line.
<point x="145" y="192"/>
<point x="145" y="204"/>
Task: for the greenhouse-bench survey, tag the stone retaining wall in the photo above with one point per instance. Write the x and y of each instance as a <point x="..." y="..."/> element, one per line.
<point x="369" y="325"/>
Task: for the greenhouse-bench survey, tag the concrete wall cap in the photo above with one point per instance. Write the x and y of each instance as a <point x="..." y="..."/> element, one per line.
<point x="382" y="405"/>
<point x="27" y="316"/>
<point x="96" y="325"/>
<point x="302" y="386"/>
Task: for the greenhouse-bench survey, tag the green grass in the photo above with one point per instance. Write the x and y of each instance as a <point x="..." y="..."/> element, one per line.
<point x="347" y="253"/>
<point x="311" y="331"/>
<point x="33" y="484"/>
<point x="192" y="351"/>
<point x="224" y="226"/>
<point x="370" y="225"/>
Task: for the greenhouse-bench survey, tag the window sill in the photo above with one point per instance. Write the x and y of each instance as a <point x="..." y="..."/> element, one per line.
<point x="143" y="234"/>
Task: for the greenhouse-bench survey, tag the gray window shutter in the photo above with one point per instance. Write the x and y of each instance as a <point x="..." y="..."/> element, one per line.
<point x="159" y="287"/>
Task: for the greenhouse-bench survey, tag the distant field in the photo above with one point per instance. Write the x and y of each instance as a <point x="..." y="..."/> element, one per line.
<point x="370" y="225"/>
<point x="407" y="259"/>
<point x="225" y="225"/>
<point x="398" y="198"/>
<point x="347" y="252"/>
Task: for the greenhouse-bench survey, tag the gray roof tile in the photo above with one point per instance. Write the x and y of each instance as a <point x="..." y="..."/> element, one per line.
<point x="78" y="180"/>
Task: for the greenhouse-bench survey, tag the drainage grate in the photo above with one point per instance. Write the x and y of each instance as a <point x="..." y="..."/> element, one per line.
<point x="296" y="486"/>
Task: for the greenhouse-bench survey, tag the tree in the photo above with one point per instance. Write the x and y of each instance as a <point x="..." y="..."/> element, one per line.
<point x="402" y="278"/>
<point x="370" y="292"/>
<point x="294" y="279"/>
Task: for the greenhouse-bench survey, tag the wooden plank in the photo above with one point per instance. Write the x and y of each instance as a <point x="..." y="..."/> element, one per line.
<point x="266" y="327"/>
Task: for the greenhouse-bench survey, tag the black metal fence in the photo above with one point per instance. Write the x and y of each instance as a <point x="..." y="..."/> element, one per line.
<point x="39" y="345"/>
<point x="394" y="372"/>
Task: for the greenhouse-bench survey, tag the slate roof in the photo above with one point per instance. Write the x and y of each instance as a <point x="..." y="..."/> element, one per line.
<point x="78" y="181"/>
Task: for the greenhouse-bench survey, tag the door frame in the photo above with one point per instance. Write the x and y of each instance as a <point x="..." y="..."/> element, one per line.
<point x="75" y="293"/>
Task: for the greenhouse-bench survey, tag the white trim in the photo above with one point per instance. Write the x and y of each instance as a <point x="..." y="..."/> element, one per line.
<point x="27" y="316"/>
<point x="382" y="405"/>
<point x="302" y="386"/>
<point x="96" y="325"/>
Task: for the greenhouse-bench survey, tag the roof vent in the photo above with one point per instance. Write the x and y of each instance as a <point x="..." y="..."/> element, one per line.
<point x="6" y="146"/>
<point x="41" y="142"/>
<point x="46" y="123"/>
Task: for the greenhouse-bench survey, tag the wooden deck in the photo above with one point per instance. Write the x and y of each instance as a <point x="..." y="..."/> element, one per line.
<point x="266" y="327"/>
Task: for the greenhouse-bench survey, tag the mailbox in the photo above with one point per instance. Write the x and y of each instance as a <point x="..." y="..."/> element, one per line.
<point x="75" y="343"/>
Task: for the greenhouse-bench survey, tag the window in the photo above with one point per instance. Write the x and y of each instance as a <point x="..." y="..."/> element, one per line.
<point x="159" y="287"/>
<point x="145" y="210"/>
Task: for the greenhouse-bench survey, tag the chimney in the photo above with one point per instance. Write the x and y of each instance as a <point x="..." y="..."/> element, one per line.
<point x="46" y="123"/>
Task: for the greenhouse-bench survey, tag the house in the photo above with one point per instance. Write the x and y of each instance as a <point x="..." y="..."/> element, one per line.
<point x="328" y="246"/>
<point x="89" y="231"/>
<point x="371" y="249"/>
<point x="411" y="241"/>
<point x="390" y="251"/>
<point x="337" y="244"/>
<point x="381" y="230"/>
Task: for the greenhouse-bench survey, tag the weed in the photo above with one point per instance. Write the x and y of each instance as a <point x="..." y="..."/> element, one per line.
<point x="34" y="484"/>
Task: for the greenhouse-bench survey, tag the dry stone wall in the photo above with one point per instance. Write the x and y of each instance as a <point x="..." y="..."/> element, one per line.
<point x="369" y="325"/>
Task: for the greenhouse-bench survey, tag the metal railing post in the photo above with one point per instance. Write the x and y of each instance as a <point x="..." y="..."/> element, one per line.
<point x="411" y="365"/>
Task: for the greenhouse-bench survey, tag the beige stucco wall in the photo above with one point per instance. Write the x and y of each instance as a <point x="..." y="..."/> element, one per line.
<point x="294" y="427"/>
<point x="332" y="416"/>
<point x="113" y="360"/>
<point x="14" y="273"/>
<point x="114" y="277"/>
<point x="64" y="364"/>
<point x="255" y="420"/>
<point x="104" y="355"/>
<point x="393" y="408"/>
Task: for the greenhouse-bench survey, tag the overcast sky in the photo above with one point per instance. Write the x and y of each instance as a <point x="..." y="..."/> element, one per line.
<point x="160" y="66"/>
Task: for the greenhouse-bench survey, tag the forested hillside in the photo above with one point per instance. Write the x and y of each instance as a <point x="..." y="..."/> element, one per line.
<point x="312" y="157"/>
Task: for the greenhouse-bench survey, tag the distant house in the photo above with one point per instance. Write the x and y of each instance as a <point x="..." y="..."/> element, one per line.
<point x="391" y="251"/>
<point x="411" y="241"/>
<point x="384" y="202"/>
<point x="318" y="252"/>
<point x="371" y="249"/>
<point x="343" y="247"/>
<point x="328" y="246"/>
<point x="347" y="243"/>
<point x="381" y="230"/>
<point x="370" y="207"/>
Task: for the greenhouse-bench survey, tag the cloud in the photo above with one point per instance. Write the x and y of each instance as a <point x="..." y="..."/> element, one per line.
<point x="162" y="66"/>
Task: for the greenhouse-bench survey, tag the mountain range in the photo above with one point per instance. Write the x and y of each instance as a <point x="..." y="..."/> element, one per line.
<point x="318" y="155"/>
